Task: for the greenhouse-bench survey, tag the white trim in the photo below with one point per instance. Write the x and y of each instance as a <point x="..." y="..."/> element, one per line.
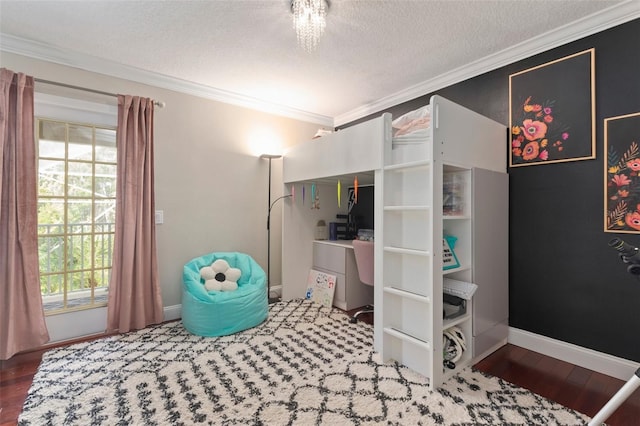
<point x="488" y="352"/>
<point x="172" y="312"/>
<point x="600" y="21"/>
<point x="592" y="24"/>
<point x="275" y="291"/>
<point x="75" y="324"/>
<point x="603" y="363"/>
<point x="49" y="53"/>
<point x="75" y="110"/>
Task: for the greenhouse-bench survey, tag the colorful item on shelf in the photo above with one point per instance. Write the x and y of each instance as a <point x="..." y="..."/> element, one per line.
<point x="339" y="192"/>
<point x="355" y="189"/>
<point x="449" y="258"/>
<point x="315" y="195"/>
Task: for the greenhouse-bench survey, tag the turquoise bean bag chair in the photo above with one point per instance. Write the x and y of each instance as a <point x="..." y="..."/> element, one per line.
<point x="220" y="313"/>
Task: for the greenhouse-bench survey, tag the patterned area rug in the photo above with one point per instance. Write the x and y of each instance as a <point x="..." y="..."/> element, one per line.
<point x="306" y="365"/>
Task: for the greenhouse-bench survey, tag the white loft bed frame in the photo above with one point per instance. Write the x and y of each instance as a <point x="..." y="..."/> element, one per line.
<point x="365" y="150"/>
<point x="355" y="151"/>
<point x="359" y="151"/>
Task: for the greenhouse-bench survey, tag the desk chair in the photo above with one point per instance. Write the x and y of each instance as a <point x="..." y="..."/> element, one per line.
<point x="363" y="251"/>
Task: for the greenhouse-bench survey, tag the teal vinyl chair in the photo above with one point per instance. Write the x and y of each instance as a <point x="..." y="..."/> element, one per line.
<point x="217" y="313"/>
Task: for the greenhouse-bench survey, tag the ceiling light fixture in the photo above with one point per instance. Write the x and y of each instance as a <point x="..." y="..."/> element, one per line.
<point x="309" y="21"/>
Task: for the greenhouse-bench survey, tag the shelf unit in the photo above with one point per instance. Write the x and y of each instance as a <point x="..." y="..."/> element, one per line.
<point x="413" y="212"/>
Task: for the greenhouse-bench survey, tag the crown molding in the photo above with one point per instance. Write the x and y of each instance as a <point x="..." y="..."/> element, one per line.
<point x="608" y="18"/>
<point x="45" y="52"/>
<point x="592" y="24"/>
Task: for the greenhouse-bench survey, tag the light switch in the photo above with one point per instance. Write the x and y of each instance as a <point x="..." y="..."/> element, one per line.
<point x="159" y="217"/>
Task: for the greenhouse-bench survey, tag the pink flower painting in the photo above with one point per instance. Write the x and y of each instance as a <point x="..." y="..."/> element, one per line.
<point x="537" y="127"/>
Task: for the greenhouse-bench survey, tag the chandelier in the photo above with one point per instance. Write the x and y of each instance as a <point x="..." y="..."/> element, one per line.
<point x="309" y="21"/>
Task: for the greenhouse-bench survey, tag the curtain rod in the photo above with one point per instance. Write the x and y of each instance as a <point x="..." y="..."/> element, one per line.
<point x="159" y="104"/>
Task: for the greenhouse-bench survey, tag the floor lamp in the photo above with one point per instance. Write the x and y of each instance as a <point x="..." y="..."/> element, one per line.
<point x="270" y="206"/>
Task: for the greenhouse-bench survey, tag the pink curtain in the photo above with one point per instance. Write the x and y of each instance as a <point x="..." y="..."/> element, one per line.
<point x="22" y="324"/>
<point x="134" y="292"/>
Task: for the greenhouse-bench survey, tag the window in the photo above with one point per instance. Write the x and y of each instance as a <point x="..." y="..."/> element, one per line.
<point x="76" y="213"/>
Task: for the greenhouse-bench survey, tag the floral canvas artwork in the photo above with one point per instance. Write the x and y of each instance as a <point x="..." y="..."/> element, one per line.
<point x="622" y="174"/>
<point x="551" y="112"/>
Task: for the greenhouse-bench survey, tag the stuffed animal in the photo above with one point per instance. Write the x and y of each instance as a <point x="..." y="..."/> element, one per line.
<point x="220" y="276"/>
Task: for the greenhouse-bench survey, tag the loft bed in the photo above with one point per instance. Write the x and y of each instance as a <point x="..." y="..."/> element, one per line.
<point x="355" y="151"/>
<point x="407" y="169"/>
<point x="362" y="151"/>
<point x="320" y="164"/>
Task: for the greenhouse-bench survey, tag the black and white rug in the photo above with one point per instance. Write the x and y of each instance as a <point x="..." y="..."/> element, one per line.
<point x="306" y="365"/>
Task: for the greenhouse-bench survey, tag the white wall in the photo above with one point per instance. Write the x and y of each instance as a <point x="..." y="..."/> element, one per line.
<point x="210" y="182"/>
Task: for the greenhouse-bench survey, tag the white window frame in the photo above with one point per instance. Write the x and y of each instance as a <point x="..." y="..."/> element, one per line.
<point x="85" y="322"/>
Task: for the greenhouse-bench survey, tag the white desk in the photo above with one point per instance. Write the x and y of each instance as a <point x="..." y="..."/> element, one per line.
<point x="337" y="258"/>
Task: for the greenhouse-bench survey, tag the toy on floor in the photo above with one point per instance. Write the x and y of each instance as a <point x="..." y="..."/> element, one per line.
<point x="220" y="276"/>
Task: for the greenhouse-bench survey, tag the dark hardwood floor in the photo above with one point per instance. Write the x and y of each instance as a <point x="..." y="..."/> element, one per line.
<point x="570" y="385"/>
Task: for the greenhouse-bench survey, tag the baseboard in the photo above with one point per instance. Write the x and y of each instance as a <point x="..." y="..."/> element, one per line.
<point x="610" y="365"/>
<point x="275" y="291"/>
<point x="488" y="352"/>
<point x="172" y="312"/>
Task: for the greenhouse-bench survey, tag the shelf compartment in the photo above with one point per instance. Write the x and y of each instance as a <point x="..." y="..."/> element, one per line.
<point x="456" y="190"/>
<point x="461" y="229"/>
<point x="456" y="321"/>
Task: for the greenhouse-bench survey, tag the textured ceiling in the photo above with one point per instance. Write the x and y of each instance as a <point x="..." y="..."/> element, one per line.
<point x="371" y="50"/>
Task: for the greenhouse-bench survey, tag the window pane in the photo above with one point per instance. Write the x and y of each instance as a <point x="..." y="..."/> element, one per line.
<point x="51" y="177"/>
<point x="79" y="212"/>
<point x="50" y="215"/>
<point x="104" y="228"/>
<point x="52" y="284"/>
<point x="106" y="145"/>
<point x="102" y="277"/>
<point x="80" y="142"/>
<point x="50" y="149"/>
<point x="53" y="131"/>
<point x="79" y="252"/>
<point x="106" y="212"/>
<point x="80" y="152"/>
<point x="79" y="228"/>
<point x="106" y="180"/>
<point x="103" y="251"/>
<point x="80" y="181"/>
<point x="51" y="254"/>
<point x="77" y="282"/>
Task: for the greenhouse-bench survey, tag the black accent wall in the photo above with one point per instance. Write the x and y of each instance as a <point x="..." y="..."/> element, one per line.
<point x="565" y="282"/>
